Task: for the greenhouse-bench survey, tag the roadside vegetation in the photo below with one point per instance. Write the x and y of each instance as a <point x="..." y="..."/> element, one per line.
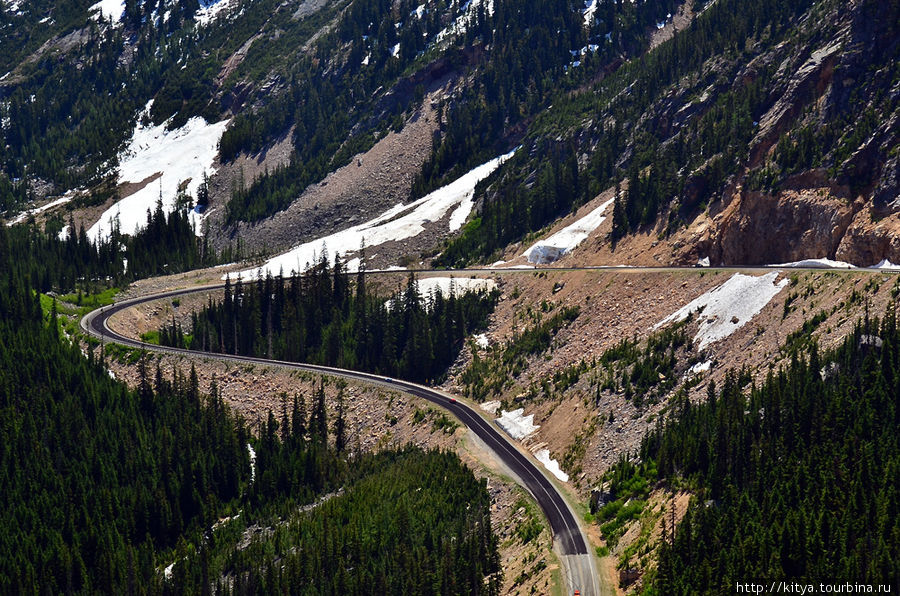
<point x="159" y="489"/>
<point x="799" y="467"/>
<point x="322" y="317"/>
<point x="487" y="376"/>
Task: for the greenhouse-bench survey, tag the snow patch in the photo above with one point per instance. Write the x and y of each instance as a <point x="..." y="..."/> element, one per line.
<point x="552" y="465"/>
<point x="565" y="240"/>
<point x="728" y="307"/>
<point x="252" y="452"/>
<point x="490" y="406"/>
<point x="398" y="223"/>
<point x="37" y="210"/>
<point x="816" y="264"/>
<point x="590" y="7"/>
<point x="395" y="51"/>
<point x="459" y="285"/>
<point x="887" y="265"/>
<point x="211" y="9"/>
<point x="482" y="341"/>
<point x="467" y="14"/>
<point x="700" y="367"/>
<point x="515" y="424"/>
<point x="108" y="9"/>
<point x="179" y="155"/>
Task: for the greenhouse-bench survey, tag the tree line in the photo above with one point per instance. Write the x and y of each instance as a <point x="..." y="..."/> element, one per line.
<point x="98" y="480"/>
<point x="62" y="263"/>
<point x="104" y="489"/>
<point x="792" y="479"/>
<point x="321" y="317"/>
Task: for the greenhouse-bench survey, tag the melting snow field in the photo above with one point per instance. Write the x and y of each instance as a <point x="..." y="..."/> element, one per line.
<point x="179" y="155"/>
<point x="516" y="425"/>
<point x="552" y="465"/>
<point x="700" y="367"/>
<point x="590" y="7"/>
<point x="460" y="285"/>
<point x="728" y="307"/>
<point x="816" y="264"/>
<point x="252" y="453"/>
<point x="461" y="23"/>
<point x="482" y="341"/>
<point x="397" y="223"/>
<point x="565" y="240"/>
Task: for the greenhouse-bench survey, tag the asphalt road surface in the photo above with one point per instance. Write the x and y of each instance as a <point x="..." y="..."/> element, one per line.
<point x="578" y="564"/>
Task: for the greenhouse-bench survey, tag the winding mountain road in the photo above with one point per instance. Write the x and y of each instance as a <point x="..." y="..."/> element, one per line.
<point x="569" y="541"/>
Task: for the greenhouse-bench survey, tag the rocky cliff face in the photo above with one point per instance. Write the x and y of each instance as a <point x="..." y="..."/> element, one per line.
<point x="758" y="228"/>
<point x="826" y="150"/>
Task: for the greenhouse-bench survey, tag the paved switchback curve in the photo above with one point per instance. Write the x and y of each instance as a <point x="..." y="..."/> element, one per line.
<point x="578" y="563"/>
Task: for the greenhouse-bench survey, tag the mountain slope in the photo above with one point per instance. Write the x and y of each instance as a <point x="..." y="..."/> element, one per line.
<point x="753" y="117"/>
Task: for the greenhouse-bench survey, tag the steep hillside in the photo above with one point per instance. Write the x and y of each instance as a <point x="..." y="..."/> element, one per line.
<point x="762" y="133"/>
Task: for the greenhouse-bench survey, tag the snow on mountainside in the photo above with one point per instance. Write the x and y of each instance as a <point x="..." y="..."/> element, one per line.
<point x="564" y="241"/>
<point x="177" y="157"/>
<point x="398" y="223"/>
<point x="37" y="210"/>
<point x="516" y="424"/>
<point x="108" y="9"/>
<point x="211" y="9"/>
<point x="728" y="307"/>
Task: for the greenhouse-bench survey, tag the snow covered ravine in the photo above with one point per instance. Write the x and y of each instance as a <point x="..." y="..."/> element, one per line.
<point x="176" y="156"/>
<point x="397" y="223"/>
<point x="728" y="307"/>
<point x="564" y="241"/>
